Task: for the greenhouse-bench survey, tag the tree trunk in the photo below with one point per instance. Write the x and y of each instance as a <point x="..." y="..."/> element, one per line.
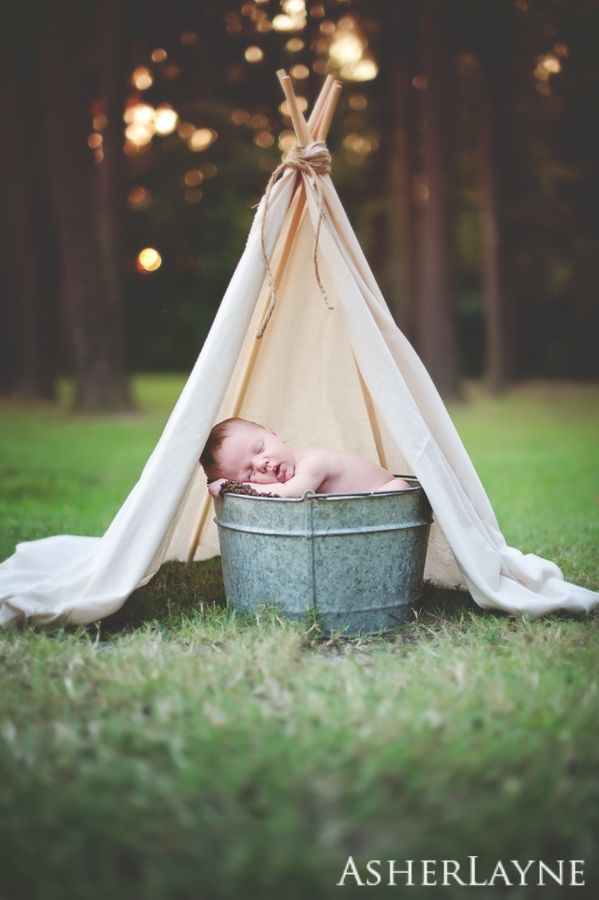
<point x="401" y="278"/>
<point x="110" y="177"/>
<point x="395" y="221"/>
<point x="93" y="324"/>
<point x="497" y="353"/>
<point x="29" y="365"/>
<point x="436" y="332"/>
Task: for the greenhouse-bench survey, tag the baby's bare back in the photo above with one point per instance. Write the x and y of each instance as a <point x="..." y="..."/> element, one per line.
<point x="341" y="472"/>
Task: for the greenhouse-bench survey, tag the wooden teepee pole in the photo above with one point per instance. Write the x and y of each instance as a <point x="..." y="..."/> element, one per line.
<point x="318" y="125"/>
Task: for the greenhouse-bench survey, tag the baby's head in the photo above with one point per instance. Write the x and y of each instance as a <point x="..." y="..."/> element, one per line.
<point x="245" y="451"/>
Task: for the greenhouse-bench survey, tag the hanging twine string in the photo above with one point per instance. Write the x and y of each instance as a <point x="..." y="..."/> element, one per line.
<point x="313" y="160"/>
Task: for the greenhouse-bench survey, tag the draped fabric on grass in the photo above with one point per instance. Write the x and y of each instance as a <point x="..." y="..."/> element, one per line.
<point x="343" y="378"/>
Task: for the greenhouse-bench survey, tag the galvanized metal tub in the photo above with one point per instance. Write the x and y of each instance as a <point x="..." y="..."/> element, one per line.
<point x="354" y="560"/>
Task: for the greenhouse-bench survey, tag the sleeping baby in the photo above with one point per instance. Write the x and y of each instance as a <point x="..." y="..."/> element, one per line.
<point x="242" y="451"/>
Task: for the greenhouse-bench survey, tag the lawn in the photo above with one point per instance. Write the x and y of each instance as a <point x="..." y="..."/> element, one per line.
<point x="180" y="751"/>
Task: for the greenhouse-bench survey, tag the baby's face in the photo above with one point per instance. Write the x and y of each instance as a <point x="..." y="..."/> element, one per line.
<point x="251" y="453"/>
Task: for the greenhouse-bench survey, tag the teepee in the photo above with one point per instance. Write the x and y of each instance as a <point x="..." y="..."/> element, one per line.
<point x="303" y="342"/>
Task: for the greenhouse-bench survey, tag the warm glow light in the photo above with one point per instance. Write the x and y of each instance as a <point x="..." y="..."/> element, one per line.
<point x="148" y="260"/>
<point x="283" y="23"/>
<point x="240" y="116"/>
<point x="142" y="78"/>
<point x="253" y="54"/>
<point x="139" y="133"/>
<point x="546" y="66"/>
<point x="286" y="140"/>
<point x="185" y="130"/>
<point x="131" y="149"/>
<point x="158" y="55"/>
<point x="317" y="11"/>
<point x="188" y="37"/>
<point x="94" y="140"/>
<point x="138" y="196"/>
<point x="561" y="50"/>
<point x="165" y="120"/>
<point x="364" y="70"/>
<point x="358" y="101"/>
<point x="294" y="45"/>
<point x="300" y="71"/>
<point x="264" y="25"/>
<point x="346" y="49"/>
<point x="201" y="139"/>
<point x="258" y="120"/>
<point x="209" y="170"/>
<point x="361" y="143"/>
<point x="264" y="139"/>
<point x="140" y="113"/>
<point x="295" y="11"/>
<point x="302" y="104"/>
<point x="193" y="177"/>
<point x="100" y="122"/>
<point x="320" y="66"/>
<point x="294" y="7"/>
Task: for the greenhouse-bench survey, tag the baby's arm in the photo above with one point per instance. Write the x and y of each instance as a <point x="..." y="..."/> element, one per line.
<point x="309" y="474"/>
<point x="396" y="484"/>
<point x="295" y="487"/>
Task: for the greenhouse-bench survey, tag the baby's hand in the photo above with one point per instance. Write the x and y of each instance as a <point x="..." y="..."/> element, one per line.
<point x="215" y="486"/>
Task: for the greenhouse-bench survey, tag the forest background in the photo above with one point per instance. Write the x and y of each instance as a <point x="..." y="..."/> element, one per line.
<point x="140" y="135"/>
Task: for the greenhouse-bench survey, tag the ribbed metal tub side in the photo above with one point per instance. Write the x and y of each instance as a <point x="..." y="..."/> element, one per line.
<point x="357" y="560"/>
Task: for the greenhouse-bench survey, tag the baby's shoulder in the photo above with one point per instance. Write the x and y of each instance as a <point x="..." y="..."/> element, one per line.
<point x="314" y="458"/>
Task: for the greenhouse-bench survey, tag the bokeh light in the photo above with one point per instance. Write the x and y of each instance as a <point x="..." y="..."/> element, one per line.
<point x="193" y="177"/>
<point x="148" y="260"/>
<point x="138" y="197"/>
<point x="254" y="54"/>
<point x="363" y="70"/>
<point x="264" y="139"/>
<point x="201" y="139"/>
<point x="286" y="140"/>
<point x="165" y="119"/>
<point x="300" y="71"/>
<point x="142" y="78"/>
<point x="240" y="116"/>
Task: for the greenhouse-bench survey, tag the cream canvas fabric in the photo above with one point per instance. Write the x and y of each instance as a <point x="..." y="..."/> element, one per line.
<point x="344" y="378"/>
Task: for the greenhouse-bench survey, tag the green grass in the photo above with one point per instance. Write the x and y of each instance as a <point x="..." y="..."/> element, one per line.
<point x="181" y="751"/>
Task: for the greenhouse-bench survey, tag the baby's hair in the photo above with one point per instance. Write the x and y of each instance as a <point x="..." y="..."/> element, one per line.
<point x="209" y="457"/>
